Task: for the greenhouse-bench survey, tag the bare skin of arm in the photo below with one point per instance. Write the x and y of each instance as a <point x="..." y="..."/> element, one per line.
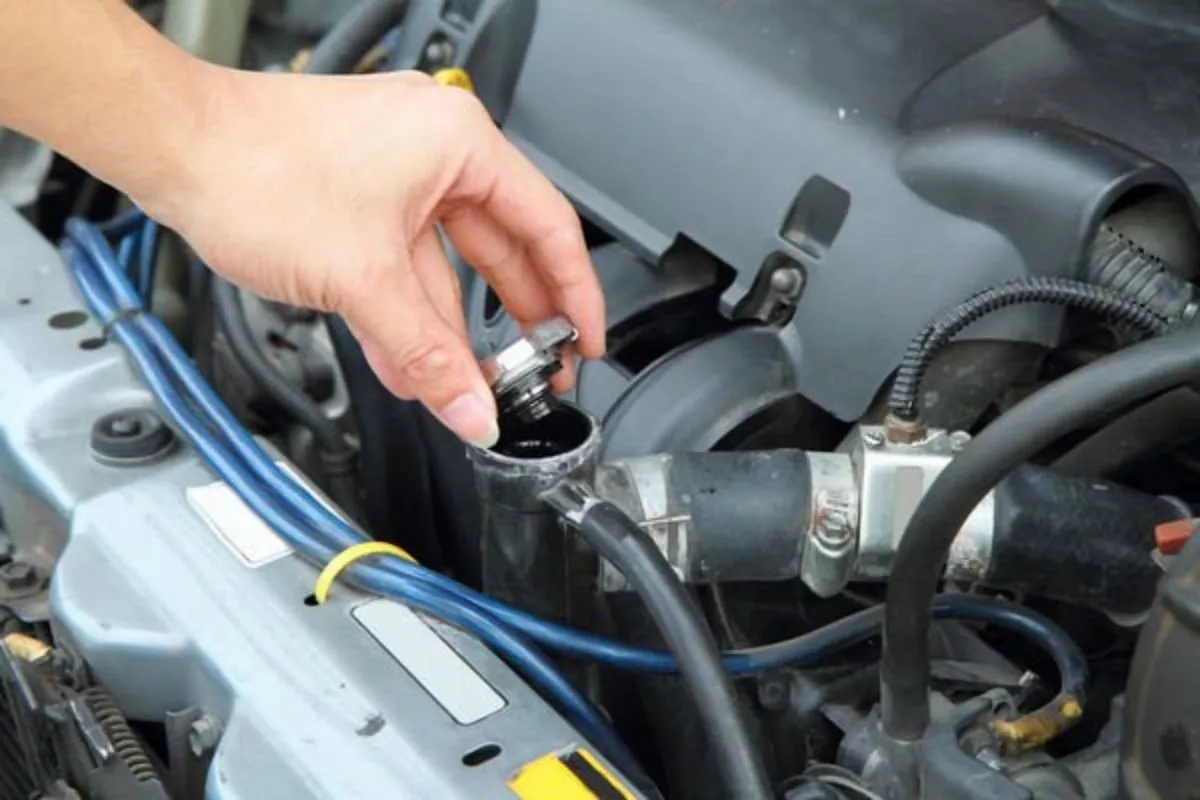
<point x="323" y="192"/>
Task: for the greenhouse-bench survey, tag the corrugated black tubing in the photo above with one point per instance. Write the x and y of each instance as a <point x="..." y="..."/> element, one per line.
<point x="1079" y="399"/>
<point x="1117" y="262"/>
<point x="905" y="399"/>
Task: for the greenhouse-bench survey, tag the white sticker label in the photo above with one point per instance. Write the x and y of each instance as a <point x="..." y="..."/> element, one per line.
<point x="430" y="660"/>
<point x="236" y="524"/>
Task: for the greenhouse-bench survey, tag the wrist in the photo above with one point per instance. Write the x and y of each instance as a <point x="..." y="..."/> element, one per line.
<point x="169" y="174"/>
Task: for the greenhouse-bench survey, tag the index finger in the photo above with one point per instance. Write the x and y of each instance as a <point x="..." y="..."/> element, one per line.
<point x="544" y="224"/>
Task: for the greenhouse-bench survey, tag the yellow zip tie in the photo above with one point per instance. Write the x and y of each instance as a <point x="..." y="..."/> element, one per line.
<point x="338" y="564"/>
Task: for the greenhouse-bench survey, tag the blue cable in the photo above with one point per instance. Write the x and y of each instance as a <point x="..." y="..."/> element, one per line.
<point x="147" y="254"/>
<point x="795" y="652"/>
<point x="123" y="223"/>
<point x="525" y="658"/>
<point x="125" y="251"/>
<point x="135" y="231"/>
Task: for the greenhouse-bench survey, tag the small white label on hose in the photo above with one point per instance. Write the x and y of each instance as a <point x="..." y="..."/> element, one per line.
<point x="235" y="523"/>
<point x="430" y="660"/>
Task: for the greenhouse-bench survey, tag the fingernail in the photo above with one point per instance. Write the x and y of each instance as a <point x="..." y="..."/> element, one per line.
<point x="472" y="419"/>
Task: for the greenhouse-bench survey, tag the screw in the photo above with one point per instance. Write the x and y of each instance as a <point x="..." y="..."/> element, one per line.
<point x="203" y="735"/>
<point x="773" y="692"/>
<point x="18" y="575"/>
<point x="787" y="281"/>
<point x="439" y="51"/>
<point x="125" y="427"/>
<point x="873" y="439"/>
<point x="959" y="440"/>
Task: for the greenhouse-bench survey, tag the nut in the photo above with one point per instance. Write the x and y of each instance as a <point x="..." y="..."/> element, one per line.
<point x="18" y="575"/>
<point x="901" y="431"/>
<point x="124" y="426"/>
<point x="873" y="439"/>
<point x="203" y="735"/>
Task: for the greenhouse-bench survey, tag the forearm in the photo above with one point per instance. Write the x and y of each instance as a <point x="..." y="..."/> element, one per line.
<point x="91" y="80"/>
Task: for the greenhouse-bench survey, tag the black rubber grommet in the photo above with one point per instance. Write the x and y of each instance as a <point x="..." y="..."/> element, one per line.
<point x="131" y="436"/>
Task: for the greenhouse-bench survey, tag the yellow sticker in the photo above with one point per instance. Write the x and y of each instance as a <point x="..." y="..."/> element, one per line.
<point x="569" y="775"/>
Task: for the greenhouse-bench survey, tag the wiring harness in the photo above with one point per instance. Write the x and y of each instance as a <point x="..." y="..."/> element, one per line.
<point x="905" y="399"/>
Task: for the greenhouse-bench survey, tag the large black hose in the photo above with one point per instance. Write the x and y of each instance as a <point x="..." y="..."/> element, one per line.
<point x="1078" y="539"/>
<point x="905" y="399"/>
<point x="1080" y="398"/>
<point x="1156" y="426"/>
<point x="618" y="539"/>
<point x="340" y="50"/>
<point x="338" y="456"/>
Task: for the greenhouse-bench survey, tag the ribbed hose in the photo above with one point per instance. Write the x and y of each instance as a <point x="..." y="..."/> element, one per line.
<point x="905" y="399"/>
<point x="1117" y="262"/>
<point x="125" y="743"/>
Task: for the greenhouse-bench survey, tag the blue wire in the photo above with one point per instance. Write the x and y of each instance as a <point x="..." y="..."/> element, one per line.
<point x="520" y="653"/>
<point x="125" y="251"/>
<point x="147" y="254"/>
<point x="795" y="652"/>
<point x="122" y="224"/>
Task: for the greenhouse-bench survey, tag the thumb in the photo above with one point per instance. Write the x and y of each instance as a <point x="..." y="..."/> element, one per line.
<point x="415" y="353"/>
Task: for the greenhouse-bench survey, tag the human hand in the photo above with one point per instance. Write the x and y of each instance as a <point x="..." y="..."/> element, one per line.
<point x="325" y="192"/>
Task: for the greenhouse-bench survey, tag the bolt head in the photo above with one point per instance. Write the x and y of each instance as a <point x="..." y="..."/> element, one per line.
<point x="439" y="52"/>
<point x="18" y="575"/>
<point x="787" y="281"/>
<point x="959" y="440"/>
<point x="203" y="735"/>
<point x="125" y="427"/>
<point x="873" y="439"/>
<point x="773" y="692"/>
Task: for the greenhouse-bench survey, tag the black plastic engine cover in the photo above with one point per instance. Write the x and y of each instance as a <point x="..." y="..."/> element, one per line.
<point x="903" y="154"/>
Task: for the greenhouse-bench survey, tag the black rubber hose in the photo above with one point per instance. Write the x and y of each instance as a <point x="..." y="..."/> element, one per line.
<point x="1074" y="538"/>
<point x="338" y="456"/>
<point x="1090" y="393"/>
<point x="623" y="543"/>
<point x="340" y="50"/>
<point x="905" y="399"/>
<point x="1154" y="427"/>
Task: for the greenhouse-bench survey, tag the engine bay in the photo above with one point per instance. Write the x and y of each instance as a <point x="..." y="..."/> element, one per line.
<point x="883" y="489"/>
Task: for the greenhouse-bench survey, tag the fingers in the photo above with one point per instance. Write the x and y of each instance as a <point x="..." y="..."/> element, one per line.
<point x="524" y="236"/>
<point x="417" y="353"/>
<point x="439" y="280"/>
<point x="497" y="256"/>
